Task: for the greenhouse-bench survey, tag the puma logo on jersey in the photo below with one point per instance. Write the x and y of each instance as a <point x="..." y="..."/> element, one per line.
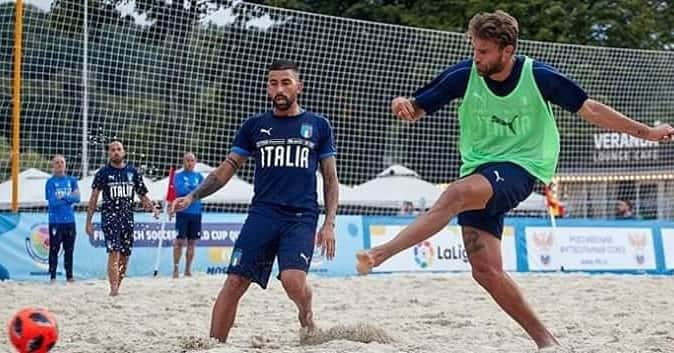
<point x="304" y="257"/>
<point x="266" y="131"/>
<point x="495" y="119"/>
<point x="498" y="176"/>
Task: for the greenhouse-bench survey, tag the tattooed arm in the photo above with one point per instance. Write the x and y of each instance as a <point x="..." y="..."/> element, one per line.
<point x="216" y="180"/>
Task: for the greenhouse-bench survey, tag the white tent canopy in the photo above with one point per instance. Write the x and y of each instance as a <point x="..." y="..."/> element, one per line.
<point x="393" y="186"/>
<point x="31" y="189"/>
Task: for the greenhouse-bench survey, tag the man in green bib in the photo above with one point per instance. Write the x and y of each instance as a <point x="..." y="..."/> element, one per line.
<point x="508" y="140"/>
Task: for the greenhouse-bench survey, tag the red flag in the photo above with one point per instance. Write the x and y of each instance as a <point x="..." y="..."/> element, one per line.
<point x="555" y="206"/>
<point x="171" y="190"/>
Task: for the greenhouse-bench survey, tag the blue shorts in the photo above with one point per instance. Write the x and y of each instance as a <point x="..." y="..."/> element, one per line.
<point x="269" y="233"/>
<point x="188" y="225"/>
<point x="118" y="239"/>
<point x="511" y="184"/>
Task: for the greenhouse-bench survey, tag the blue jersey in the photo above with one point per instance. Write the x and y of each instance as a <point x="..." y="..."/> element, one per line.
<point x="118" y="186"/>
<point x="452" y="83"/>
<point x="185" y="182"/>
<point x="287" y="151"/>
<point x="58" y="192"/>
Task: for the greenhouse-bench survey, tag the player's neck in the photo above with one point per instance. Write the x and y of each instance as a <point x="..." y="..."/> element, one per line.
<point x="292" y="111"/>
<point x="59" y="174"/>
<point x="118" y="165"/>
<point x="505" y="73"/>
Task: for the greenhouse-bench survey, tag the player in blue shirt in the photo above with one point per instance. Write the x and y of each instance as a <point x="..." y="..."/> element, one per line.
<point x="62" y="192"/>
<point x="119" y="182"/>
<point x="188" y="221"/>
<point x="288" y="145"/>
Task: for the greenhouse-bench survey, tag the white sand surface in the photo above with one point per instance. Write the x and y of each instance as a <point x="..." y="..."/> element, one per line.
<point x="444" y="313"/>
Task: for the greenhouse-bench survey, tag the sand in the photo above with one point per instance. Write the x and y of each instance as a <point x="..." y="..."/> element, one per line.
<point x="442" y="313"/>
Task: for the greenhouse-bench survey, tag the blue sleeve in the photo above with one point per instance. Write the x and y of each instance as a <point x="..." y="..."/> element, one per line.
<point x="75" y="188"/>
<point x="50" y="195"/>
<point x="244" y="144"/>
<point x="326" y="144"/>
<point x="138" y="184"/>
<point x="179" y="183"/>
<point x="558" y="89"/>
<point x="449" y="85"/>
<point x="99" y="181"/>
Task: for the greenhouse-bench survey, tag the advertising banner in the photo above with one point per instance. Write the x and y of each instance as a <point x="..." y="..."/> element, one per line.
<point x="590" y="248"/>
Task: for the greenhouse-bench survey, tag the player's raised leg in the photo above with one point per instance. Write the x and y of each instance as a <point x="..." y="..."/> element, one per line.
<point x="470" y="193"/>
<point x="484" y="254"/>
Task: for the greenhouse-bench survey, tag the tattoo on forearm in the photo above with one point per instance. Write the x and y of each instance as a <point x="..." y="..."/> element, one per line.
<point x="471" y="241"/>
<point x="232" y="163"/>
<point x="209" y="186"/>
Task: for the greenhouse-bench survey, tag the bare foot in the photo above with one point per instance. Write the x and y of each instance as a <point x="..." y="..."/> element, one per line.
<point x="52" y="281"/>
<point x="188" y="274"/>
<point x="176" y="274"/>
<point x="307" y="321"/>
<point x="70" y="280"/>
<point x="365" y="262"/>
<point x="114" y="292"/>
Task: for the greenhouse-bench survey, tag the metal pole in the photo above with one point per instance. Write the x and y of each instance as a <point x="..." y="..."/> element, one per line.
<point x="16" y="103"/>
<point x="85" y="96"/>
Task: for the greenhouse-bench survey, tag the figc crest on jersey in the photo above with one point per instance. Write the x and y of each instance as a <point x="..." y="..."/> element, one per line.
<point x="306" y="131"/>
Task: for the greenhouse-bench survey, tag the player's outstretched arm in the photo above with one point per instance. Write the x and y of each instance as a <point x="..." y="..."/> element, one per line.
<point x="326" y="235"/>
<point x="217" y="179"/>
<point x="602" y="115"/>
<point x="91" y="209"/>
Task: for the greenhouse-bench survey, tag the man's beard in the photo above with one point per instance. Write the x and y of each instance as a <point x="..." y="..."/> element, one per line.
<point x="282" y="102"/>
<point x="492" y="69"/>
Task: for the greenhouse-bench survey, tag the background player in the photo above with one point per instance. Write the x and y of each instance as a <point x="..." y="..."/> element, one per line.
<point x="508" y="140"/>
<point x="119" y="182"/>
<point x="288" y="143"/>
<point x="188" y="221"/>
<point x="62" y="193"/>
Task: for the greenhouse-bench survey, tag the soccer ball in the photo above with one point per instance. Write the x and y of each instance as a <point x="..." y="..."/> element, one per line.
<point x="33" y="330"/>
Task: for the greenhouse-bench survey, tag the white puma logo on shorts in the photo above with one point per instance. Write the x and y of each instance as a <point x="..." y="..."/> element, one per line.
<point x="498" y="176"/>
<point x="304" y="257"/>
<point x="266" y="131"/>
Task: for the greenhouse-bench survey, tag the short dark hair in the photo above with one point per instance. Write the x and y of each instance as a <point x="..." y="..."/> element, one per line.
<point x="497" y="26"/>
<point x="113" y="140"/>
<point x="284" y="65"/>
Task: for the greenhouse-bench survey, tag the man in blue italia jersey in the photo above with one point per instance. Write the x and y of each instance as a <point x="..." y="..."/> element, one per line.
<point x="188" y="221"/>
<point x="288" y="144"/>
<point x="119" y="182"/>
<point x="61" y="192"/>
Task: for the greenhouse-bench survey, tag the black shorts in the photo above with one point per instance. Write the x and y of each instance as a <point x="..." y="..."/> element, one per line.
<point x="188" y="226"/>
<point x="118" y="239"/>
<point x="511" y="184"/>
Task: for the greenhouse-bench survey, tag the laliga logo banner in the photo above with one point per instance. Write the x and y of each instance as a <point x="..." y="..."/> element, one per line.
<point x="444" y="251"/>
<point x="584" y="248"/>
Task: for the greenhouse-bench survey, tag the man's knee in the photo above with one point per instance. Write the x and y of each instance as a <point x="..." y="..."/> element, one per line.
<point x="178" y="243"/>
<point x="235" y="285"/>
<point x="486" y="274"/>
<point x="294" y="282"/>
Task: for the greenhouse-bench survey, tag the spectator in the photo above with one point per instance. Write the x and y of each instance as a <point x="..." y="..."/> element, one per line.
<point x="624" y="210"/>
